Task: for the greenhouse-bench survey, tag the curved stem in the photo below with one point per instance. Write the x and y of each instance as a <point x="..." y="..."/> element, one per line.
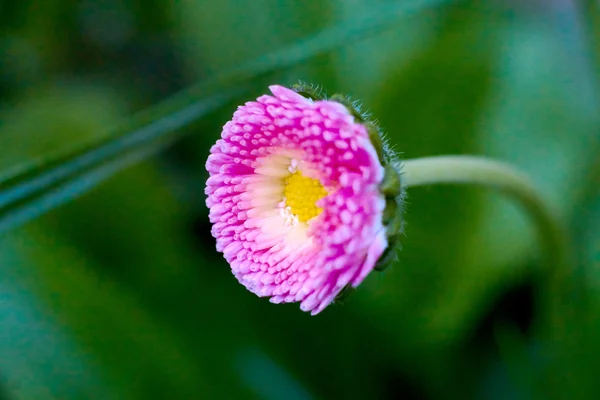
<point x="505" y="178"/>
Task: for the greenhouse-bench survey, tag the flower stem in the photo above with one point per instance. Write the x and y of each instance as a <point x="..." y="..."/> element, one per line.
<point x="505" y="178"/>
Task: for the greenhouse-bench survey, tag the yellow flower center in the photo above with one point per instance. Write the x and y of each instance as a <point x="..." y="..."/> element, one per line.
<point x="301" y="194"/>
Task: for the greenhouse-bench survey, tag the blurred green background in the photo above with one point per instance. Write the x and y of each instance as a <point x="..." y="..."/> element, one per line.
<point x="121" y="295"/>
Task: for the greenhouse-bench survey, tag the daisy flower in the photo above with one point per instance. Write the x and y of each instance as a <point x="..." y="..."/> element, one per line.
<point x="295" y="198"/>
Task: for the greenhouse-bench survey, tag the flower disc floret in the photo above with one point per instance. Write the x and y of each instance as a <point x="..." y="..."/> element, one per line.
<point x="301" y="194"/>
<point x="294" y="199"/>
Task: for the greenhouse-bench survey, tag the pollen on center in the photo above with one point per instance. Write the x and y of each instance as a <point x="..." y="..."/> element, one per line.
<point x="301" y="195"/>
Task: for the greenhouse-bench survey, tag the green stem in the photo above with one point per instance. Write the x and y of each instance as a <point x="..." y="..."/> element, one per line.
<point x="505" y="178"/>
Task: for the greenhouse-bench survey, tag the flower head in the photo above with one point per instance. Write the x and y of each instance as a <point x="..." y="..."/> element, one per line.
<point x="295" y="200"/>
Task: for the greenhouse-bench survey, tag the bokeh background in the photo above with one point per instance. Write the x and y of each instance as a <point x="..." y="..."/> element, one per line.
<point x="121" y="295"/>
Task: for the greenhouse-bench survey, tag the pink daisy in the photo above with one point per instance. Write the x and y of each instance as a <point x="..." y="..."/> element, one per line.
<point x="294" y="198"/>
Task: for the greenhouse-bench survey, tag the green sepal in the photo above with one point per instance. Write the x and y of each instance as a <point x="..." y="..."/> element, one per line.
<point x="309" y="91"/>
<point x="390" y="186"/>
<point x="376" y="140"/>
<point x="344" y="293"/>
